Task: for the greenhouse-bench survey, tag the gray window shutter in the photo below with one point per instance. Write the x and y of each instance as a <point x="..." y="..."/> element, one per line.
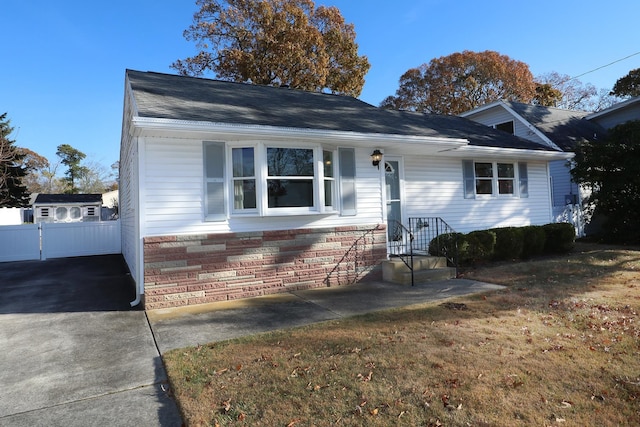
<point x="523" y="178"/>
<point x="469" y="179"/>
<point x="215" y="203"/>
<point x="347" y="167"/>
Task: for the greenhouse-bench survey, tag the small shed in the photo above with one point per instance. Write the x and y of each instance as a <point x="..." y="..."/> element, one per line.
<point x="67" y="208"/>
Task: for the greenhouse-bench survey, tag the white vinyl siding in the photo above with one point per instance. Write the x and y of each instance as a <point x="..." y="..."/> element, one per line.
<point x="562" y="184"/>
<point x="129" y="192"/>
<point x="173" y="195"/>
<point x="173" y="182"/>
<point x="434" y="188"/>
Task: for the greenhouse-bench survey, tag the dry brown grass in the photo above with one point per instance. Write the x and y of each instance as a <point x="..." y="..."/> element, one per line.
<point x="559" y="346"/>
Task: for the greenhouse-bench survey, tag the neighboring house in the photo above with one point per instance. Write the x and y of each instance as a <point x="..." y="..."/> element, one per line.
<point x="230" y="190"/>
<point x="556" y="128"/>
<point x="67" y="208"/>
<point x="617" y="114"/>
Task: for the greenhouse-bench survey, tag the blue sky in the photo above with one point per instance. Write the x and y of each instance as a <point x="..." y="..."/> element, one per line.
<point x="62" y="78"/>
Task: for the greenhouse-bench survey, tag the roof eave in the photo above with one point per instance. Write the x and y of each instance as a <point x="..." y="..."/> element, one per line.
<point x="511" y="153"/>
<point x="146" y="126"/>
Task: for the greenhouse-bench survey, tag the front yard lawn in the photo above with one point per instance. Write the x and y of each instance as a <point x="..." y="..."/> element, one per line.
<point x="559" y="346"/>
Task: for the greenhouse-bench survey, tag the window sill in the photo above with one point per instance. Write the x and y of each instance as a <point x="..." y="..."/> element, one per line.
<point x="250" y="215"/>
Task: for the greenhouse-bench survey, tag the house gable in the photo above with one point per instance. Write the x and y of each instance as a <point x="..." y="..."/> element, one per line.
<point x="560" y="129"/>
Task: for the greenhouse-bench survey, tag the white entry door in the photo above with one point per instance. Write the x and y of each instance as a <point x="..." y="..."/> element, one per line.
<point x="393" y="176"/>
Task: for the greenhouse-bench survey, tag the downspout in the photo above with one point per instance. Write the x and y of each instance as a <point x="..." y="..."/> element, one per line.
<point x="138" y="299"/>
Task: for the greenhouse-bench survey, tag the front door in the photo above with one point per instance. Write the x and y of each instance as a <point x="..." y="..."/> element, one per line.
<point x="392" y="179"/>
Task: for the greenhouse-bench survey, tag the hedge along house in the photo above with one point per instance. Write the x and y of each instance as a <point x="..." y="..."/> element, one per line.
<point x="231" y="190"/>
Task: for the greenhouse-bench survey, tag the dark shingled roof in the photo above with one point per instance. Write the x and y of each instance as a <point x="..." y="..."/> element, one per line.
<point x="564" y="127"/>
<point x="68" y="198"/>
<point x="197" y="99"/>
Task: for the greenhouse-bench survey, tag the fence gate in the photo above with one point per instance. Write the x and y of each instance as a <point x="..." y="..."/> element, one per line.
<point x="59" y="240"/>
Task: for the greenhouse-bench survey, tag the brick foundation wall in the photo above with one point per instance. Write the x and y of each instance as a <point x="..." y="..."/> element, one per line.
<point x="197" y="269"/>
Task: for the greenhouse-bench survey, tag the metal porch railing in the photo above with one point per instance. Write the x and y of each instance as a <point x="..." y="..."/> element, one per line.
<point x="424" y="236"/>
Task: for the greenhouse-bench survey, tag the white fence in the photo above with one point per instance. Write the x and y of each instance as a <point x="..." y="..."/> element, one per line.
<point x="59" y="240"/>
<point x="571" y="214"/>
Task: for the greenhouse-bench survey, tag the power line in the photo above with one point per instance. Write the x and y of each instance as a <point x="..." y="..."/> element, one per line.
<point x="604" y="66"/>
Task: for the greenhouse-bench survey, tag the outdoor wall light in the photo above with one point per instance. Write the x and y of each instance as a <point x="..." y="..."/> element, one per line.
<point x="376" y="157"/>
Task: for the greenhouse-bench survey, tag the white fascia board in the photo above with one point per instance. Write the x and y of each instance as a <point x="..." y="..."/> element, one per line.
<point x="473" y="151"/>
<point x="144" y="126"/>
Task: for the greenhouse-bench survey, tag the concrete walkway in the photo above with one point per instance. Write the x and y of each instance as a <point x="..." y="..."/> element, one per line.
<point x="75" y="354"/>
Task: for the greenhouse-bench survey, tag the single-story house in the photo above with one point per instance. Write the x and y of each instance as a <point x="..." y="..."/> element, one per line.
<point x="67" y="207"/>
<point x="230" y="190"/>
<point x="617" y="114"/>
<point x="556" y="128"/>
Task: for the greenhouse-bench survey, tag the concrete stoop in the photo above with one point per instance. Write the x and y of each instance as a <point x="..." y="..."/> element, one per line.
<point x="425" y="269"/>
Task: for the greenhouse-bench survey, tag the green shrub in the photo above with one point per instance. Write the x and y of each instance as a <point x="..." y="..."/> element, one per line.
<point x="448" y="245"/>
<point x="479" y="246"/>
<point x="560" y="237"/>
<point x="509" y="243"/>
<point x="534" y="239"/>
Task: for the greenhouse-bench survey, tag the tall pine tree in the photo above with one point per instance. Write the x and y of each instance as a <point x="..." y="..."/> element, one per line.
<point x="13" y="193"/>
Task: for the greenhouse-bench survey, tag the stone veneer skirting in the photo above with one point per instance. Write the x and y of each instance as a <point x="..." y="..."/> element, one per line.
<point x="195" y="269"/>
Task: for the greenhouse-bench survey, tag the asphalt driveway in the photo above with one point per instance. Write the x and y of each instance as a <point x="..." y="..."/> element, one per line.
<point x="73" y="353"/>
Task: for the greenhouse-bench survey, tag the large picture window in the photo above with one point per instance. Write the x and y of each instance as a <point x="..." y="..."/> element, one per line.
<point x="268" y="179"/>
<point x="290" y="177"/>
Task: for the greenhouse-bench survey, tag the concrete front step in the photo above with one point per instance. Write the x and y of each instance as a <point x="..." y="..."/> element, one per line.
<point x="423" y="276"/>
<point x="426" y="268"/>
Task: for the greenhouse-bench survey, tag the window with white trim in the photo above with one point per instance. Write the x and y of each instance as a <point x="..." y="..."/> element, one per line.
<point x="498" y="179"/>
<point x="290" y="178"/>
<point x="272" y="179"/>
<point x="244" y="179"/>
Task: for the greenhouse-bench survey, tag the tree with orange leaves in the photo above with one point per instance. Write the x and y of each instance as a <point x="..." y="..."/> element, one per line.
<point x="462" y="81"/>
<point x="277" y="43"/>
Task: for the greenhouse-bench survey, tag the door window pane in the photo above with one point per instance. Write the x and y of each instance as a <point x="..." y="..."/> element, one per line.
<point x="392" y="180"/>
